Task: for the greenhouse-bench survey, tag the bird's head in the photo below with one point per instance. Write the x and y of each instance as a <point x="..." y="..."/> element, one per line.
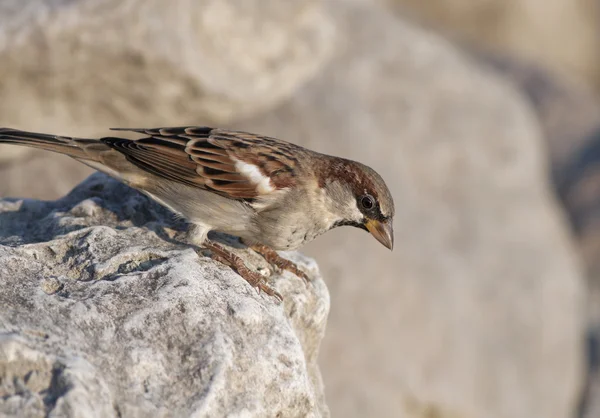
<point x="359" y="197"/>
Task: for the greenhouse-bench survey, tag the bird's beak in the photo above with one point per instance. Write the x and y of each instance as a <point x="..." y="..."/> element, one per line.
<point x="382" y="231"/>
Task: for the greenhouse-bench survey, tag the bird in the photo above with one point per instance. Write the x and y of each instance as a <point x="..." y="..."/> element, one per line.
<point x="272" y="194"/>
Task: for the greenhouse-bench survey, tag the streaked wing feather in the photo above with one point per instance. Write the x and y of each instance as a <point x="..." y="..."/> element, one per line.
<point x="207" y="158"/>
<point x="227" y="167"/>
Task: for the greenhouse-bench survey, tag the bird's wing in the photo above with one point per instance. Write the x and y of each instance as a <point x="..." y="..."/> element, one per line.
<point x="234" y="164"/>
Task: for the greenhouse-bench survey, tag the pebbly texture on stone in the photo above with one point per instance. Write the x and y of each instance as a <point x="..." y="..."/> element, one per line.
<point x="105" y="312"/>
<point x="479" y="311"/>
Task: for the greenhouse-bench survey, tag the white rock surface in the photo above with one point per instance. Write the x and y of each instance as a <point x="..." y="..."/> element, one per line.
<point x="105" y="314"/>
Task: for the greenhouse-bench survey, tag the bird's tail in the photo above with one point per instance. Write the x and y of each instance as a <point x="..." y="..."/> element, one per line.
<point x="73" y="147"/>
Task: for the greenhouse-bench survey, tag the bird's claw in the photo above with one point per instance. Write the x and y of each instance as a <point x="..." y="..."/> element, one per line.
<point x="256" y="280"/>
<point x="276" y="261"/>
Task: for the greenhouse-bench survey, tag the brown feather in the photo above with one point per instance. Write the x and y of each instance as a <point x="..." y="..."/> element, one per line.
<point x="206" y="158"/>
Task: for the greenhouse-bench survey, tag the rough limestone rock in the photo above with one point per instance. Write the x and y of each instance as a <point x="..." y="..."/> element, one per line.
<point x="104" y="313"/>
<point x="479" y="311"/>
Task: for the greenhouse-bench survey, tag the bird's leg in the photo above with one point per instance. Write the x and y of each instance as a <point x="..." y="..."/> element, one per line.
<point x="222" y="255"/>
<point x="273" y="258"/>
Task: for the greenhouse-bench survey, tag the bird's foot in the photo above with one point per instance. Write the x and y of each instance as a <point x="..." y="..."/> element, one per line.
<point x="274" y="259"/>
<point x="256" y="280"/>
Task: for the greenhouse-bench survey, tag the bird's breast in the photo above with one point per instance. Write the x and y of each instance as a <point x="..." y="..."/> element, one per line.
<point x="289" y="230"/>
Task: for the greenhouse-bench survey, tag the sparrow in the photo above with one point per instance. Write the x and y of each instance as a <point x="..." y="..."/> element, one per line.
<point x="272" y="194"/>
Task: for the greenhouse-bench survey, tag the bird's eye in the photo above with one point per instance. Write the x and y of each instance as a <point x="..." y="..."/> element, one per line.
<point x="367" y="202"/>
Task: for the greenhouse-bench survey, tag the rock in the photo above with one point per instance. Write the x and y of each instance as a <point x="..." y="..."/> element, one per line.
<point x="64" y="68"/>
<point x="570" y="117"/>
<point x="66" y="62"/>
<point x="568" y="111"/>
<point x="478" y="312"/>
<point x="579" y="192"/>
<point x="106" y="313"/>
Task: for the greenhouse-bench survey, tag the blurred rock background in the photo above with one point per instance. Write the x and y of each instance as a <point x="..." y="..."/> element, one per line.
<point x="483" y="117"/>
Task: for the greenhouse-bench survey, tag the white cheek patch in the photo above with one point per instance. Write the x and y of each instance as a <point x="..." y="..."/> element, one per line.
<point x="252" y="173"/>
<point x="357" y="215"/>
